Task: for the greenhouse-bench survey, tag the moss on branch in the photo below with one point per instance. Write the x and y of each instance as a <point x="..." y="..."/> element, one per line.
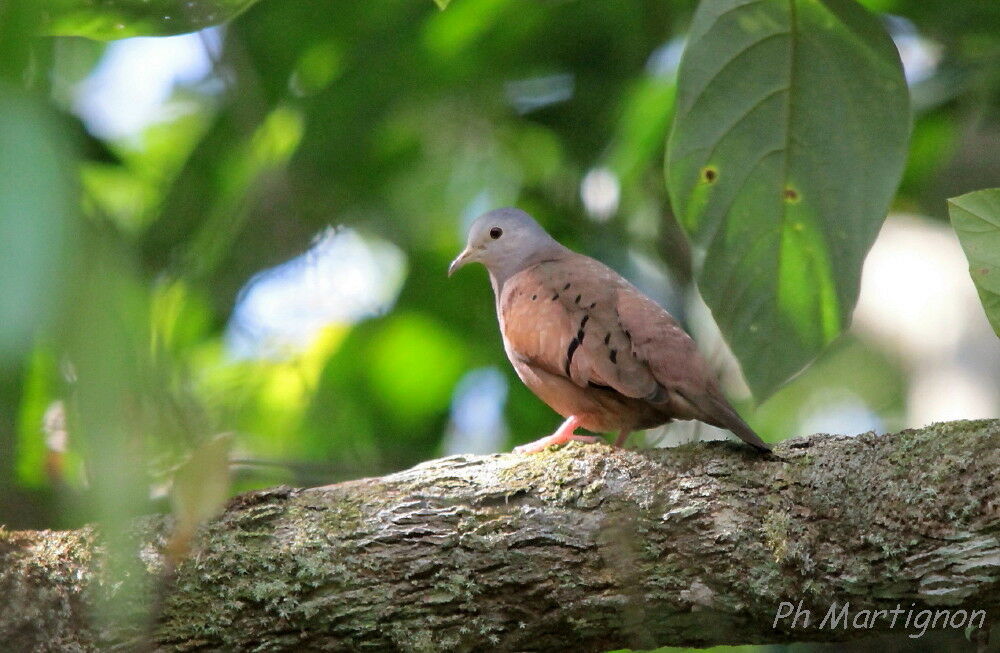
<point x="582" y="548"/>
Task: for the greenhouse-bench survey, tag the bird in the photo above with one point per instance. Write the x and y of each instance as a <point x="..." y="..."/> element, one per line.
<point x="587" y="342"/>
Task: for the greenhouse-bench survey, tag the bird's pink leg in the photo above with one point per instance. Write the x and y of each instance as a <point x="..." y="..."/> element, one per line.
<point x="563" y="434"/>
<point x="622" y="437"/>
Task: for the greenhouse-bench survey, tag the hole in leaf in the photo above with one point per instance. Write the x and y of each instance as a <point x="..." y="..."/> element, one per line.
<point x="709" y="174"/>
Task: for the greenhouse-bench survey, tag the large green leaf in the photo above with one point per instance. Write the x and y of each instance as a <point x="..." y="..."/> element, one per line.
<point x="790" y="136"/>
<point x="976" y="218"/>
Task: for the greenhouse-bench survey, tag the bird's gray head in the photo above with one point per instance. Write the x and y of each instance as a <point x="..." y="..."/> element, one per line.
<point x="506" y="241"/>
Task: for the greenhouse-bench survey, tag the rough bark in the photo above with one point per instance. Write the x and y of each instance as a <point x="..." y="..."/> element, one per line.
<point x="584" y="548"/>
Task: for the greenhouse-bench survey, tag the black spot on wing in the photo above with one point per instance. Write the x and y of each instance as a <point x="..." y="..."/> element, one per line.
<point x="566" y="287"/>
<point x="580" y="334"/>
<point x="570" y="351"/>
<point x="613" y="355"/>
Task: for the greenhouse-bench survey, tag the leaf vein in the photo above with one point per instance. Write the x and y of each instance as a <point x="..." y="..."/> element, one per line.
<point x="746" y="114"/>
<point x="789" y="106"/>
<point x="700" y="95"/>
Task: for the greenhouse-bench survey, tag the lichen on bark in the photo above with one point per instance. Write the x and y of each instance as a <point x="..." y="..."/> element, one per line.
<point x="584" y="548"/>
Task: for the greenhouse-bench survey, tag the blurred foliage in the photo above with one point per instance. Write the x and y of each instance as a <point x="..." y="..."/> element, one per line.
<point x="122" y="258"/>
<point x="976" y="218"/>
<point x="35" y="180"/>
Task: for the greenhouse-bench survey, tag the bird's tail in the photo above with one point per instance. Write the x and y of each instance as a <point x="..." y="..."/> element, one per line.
<point x="719" y="413"/>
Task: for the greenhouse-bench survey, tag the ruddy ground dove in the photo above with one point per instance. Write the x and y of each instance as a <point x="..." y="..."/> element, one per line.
<point x="589" y="343"/>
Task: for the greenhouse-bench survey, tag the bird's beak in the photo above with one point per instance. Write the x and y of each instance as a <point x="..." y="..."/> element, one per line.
<point x="468" y="255"/>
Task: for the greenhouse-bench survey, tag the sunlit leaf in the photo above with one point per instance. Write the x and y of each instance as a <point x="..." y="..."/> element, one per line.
<point x="268" y="148"/>
<point x="450" y="32"/>
<point x="37" y="397"/>
<point x="317" y="68"/>
<point x="646" y="117"/>
<point x="976" y="218"/>
<point x="115" y="19"/>
<point x="201" y="483"/>
<point x="266" y="400"/>
<point x="200" y="489"/>
<point x="792" y="121"/>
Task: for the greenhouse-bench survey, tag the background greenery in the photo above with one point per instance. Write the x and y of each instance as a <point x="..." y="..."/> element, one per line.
<point x="128" y="349"/>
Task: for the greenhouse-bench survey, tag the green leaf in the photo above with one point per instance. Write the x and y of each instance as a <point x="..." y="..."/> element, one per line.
<point x="39" y="390"/>
<point x="37" y="197"/>
<point x="976" y="219"/>
<point x="790" y="136"/>
<point x="115" y="19"/>
<point x="201" y="483"/>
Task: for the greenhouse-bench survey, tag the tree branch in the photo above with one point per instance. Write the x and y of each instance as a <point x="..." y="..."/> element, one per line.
<point x="585" y="548"/>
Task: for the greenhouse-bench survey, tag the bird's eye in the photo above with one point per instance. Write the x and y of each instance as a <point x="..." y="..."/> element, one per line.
<point x="496" y="232"/>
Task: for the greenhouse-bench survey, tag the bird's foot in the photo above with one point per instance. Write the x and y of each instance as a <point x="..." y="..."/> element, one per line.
<point x="563" y="434"/>
<point x="549" y="440"/>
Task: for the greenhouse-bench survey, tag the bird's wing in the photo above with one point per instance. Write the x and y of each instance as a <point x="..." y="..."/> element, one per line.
<point x="561" y="316"/>
<point x="658" y="340"/>
<point x="673" y="359"/>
